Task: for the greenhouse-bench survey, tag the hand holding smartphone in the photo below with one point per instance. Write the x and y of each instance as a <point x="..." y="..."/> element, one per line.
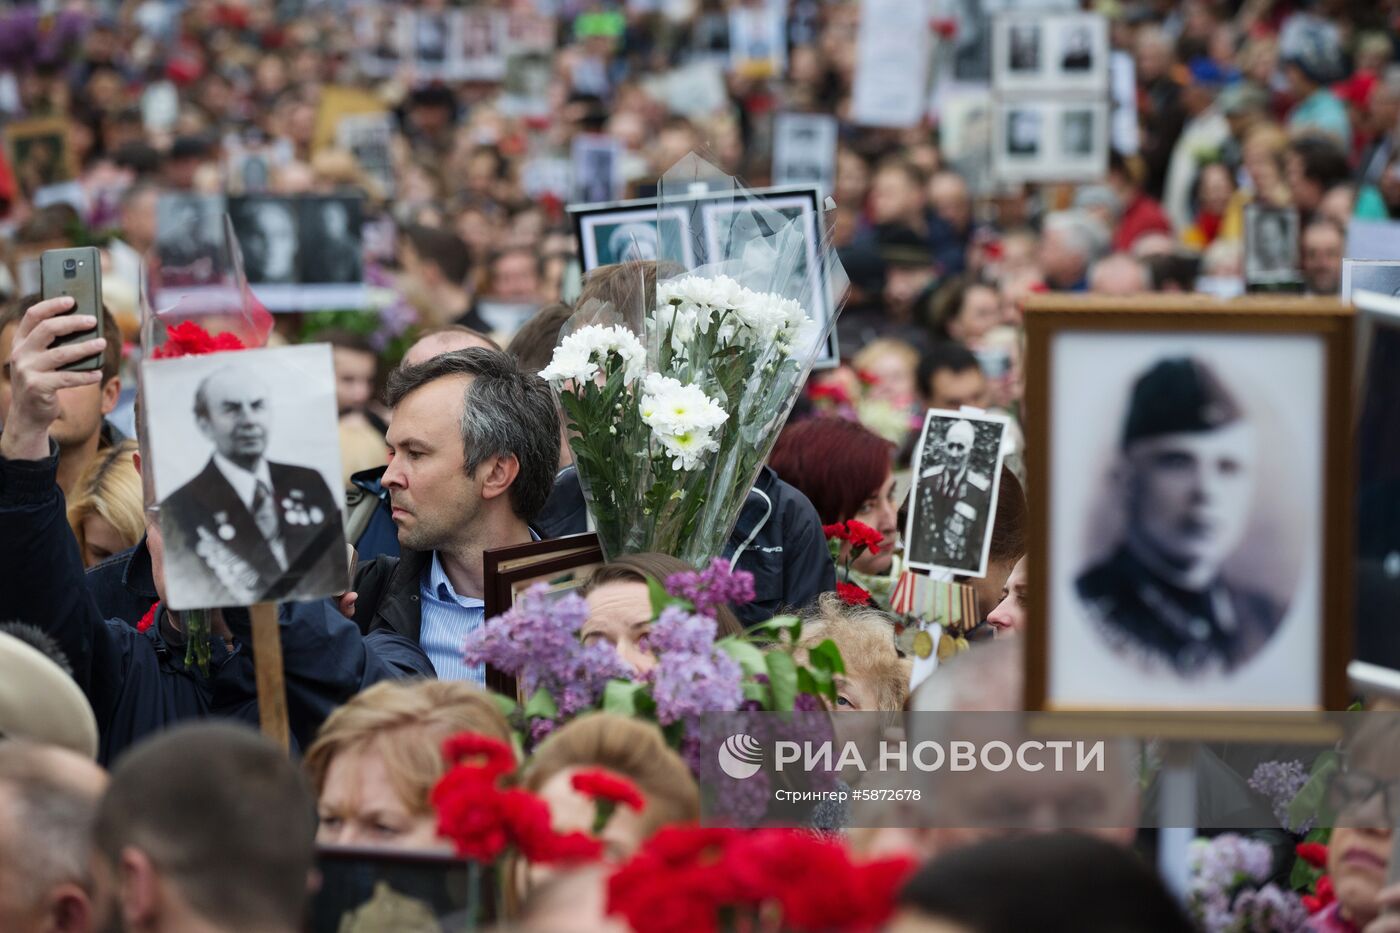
<point x="77" y="274"/>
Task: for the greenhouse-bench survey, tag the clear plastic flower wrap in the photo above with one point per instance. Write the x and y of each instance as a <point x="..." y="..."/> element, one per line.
<point x="676" y="376"/>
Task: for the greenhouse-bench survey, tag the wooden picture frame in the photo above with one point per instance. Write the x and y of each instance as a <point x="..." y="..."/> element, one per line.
<point x="382" y="888"/>
<point x="1065" y="328"/>
<point x="19" y="138"/>
<point x="562" y="563"/>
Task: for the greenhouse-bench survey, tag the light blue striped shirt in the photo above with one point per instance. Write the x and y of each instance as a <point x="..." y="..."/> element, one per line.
<point x="447" y="618"/>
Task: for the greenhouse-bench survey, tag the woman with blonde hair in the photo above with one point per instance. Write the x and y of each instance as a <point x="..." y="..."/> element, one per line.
<point x="105" y="510"/>
<point x="876" y="677"/>
<point x="376" y="759"/>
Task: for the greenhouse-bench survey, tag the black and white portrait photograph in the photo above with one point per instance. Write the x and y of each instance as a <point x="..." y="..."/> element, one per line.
<point x="245" y="464"/>
<point x="1023" y="52"/>
<point x="1379" y="276"/>
<point x="430" y="32"/>
<point x="611" y="236"/>
<point x="957" y="472"/>
<point x="331" y="248"/>
<point x="1077" y="132"/>
<point x="1050" y="139"/>
<point x="1271" y="244"/>
<point x="1077" y="48"/>
<point x="597" y="163"/>
<point x="1185" y="518"/>
<point x="383" y="36"/>
<point x="301" y="253"/>
<point x="804" y="150"/>
<point x="1024" y="126"/>
<point x="369" y="137"/>
<point x="1050" y="53"/>
<point x="266" y="227"/>
<point x="479" y="45"/>
<point x="190" y="239"/>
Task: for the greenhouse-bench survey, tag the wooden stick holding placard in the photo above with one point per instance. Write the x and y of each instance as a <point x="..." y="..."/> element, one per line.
<point x="267" y="664"/>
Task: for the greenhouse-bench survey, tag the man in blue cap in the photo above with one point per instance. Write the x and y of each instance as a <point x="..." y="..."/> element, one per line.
<point x="1187" y="479"/>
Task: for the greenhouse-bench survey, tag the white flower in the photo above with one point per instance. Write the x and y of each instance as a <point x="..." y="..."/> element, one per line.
<point x="749" y="318"/>
<point x="682" y="417"/>
<point x="580" y="355"/>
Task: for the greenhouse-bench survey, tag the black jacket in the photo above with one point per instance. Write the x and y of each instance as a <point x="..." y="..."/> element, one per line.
<point x="137" y="682"/>
<point x="778" y="538"/>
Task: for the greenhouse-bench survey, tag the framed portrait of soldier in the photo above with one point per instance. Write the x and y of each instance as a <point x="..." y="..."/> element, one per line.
<point x="956" y="475"/>
<point x="609" y="235"/>
<point x="39" y="153"/>
<point x="1190" y="543"/>
<point x="1379" y="276"/>
<point x="1270" y="245"/>
<point x="245" y="463"/>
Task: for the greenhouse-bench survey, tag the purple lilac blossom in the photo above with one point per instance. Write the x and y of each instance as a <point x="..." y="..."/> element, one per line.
<point x="680" y="631"/>
<point x="686" y="685"/>
<point x="1281" y="781"/>
<point x="537" y="642"/>
<point x="714" y="586"/>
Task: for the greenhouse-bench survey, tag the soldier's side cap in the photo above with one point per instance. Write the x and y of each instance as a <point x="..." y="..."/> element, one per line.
<point x="1177" y="396"/>
<point x="40" y="702"/>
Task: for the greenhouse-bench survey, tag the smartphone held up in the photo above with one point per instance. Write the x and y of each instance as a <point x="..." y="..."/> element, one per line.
<point x="75" y="273"/>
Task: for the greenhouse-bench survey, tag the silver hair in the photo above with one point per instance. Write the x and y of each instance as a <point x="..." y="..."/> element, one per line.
<point x="1083" y="232"/>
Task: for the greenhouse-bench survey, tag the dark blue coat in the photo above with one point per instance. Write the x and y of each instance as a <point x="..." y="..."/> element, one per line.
<point x="778" y="536"/>
<point x="137" y="682"/>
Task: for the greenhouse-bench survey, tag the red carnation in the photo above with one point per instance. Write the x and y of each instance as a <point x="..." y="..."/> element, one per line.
<point x="148" y="619"/>
<point x="837" y="531"/>
<point x="1325" y="896"/>
<point x="867" y="378"/>
<point x="1314" y="853"/>
<point x="499" y="757"/>
<point x="530" y="827"/>
<point x="189" y="339"/>
<point x="862" y="535"/>
<point x="946" y="28"/>
<point x="852" y="595"/>
<point x="831" y="391"/>
<point x="604" y="785"/>
<point x="470" y="813"/>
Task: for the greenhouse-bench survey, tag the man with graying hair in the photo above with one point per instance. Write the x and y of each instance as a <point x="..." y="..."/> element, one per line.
<point x="473" y="449"/>
<point x="48" y="798"/>
<point x="1070" y="243"/>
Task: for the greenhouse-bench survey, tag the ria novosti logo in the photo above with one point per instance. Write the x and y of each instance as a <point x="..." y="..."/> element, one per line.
<point x="740" y="756"/>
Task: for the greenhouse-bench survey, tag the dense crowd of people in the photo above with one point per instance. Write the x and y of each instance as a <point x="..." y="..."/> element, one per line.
<point x="134" y="792"/>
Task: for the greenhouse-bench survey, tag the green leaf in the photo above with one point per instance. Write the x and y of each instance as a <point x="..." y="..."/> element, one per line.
<point x="826" y="657"/>
<point x="1303" y="876"/>
<point x="1308" y="803"/>
<point x="505" y="704"/>
<point x="749" y="657"/>
<point x="620" y="696"/>
<point x="782" y="677"/>
<point x="541" y="706"/>
<point x="753" y="690"/>
<point x="776" y="626"/>
<point x="817" y="683"/>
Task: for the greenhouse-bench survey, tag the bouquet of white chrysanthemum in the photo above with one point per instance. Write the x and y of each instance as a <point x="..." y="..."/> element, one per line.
<point x="673" y="403"/>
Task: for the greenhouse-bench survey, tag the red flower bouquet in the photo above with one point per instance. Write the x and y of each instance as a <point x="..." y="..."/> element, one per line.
<point x="686" y="878"/>
<point x="853" y="595"/>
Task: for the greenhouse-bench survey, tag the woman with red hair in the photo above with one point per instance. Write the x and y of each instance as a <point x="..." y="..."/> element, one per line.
<point x="844" y="469"/>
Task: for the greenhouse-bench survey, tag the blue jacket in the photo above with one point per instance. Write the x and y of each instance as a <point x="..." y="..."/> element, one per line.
<point x="137" y="682"/>
<point x="778" y="538"/>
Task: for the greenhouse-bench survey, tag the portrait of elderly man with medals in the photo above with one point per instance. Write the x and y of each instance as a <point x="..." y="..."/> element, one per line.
<point x="251" y="529"/>
<point x="955" y="493"/>
<point x="1186" y="476"/>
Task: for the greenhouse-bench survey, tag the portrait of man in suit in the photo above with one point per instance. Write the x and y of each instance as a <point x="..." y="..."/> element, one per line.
<point x="247" y="528"/>
<point x="1186" y="472"/>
